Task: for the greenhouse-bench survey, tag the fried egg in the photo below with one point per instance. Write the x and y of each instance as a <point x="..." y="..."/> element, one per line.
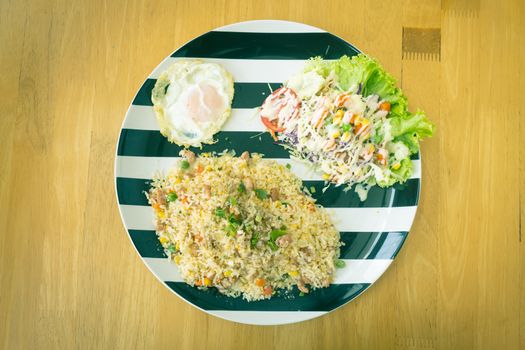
<point x="192" y="100"/>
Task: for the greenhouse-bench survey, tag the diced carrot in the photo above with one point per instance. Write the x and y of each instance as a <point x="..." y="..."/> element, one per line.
<point x="271" y="125"/>
<point x="380" y="158"/>
<point x="352" y="118"/>
<point x="357" y="128"/>
<point x="156" y="206"/>
<point x="200" y="168"/>
<point x="260" y="282"/>
<point x="385" y="106"/>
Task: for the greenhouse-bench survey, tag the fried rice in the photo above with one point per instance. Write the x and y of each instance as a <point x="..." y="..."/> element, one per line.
<point x="243" y="225"/>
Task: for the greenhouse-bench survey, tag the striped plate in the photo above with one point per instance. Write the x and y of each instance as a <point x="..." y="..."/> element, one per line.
<point x="260" y="55"/>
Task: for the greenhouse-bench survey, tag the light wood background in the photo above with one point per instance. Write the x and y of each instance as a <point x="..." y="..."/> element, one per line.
<point x="69" y="278"/>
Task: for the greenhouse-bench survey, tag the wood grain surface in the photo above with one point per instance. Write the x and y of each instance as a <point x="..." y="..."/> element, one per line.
<point x="69" y="277"/>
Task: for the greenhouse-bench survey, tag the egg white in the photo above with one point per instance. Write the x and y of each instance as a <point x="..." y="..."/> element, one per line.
<point x="192" y="101"/>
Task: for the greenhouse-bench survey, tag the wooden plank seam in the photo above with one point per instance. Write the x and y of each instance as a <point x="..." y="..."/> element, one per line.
<point x="421" y="44"/>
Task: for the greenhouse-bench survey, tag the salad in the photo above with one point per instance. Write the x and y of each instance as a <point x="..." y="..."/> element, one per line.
<point x="349" y="120"/>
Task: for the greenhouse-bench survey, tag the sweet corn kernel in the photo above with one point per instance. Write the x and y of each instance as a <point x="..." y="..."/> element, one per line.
<point x="396" y="166"/>
<point x="207" y="282"/>
<point x="177" y="259"/>
<point x="293" y="273"/>
<point x="178" y="180"/>
<point x="346" y="136"/>
<point x="227" y="273"/>
<point x="326" y="176"/>
<point x="163" y="239"/>
<point x="177" y="246"/>
<point x="336" y="134"/>
<point x="371" y="148"/>
<point x="161" y="214"/>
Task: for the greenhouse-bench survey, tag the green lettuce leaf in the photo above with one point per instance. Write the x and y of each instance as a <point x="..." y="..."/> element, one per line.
<point x="400" y="175"/>
<point x="411" y="129"/>
<point x="320" y="66"/>
<point x="365" y="71"/>
<point x="413" y="123"/>
<point x="361" y="70"/>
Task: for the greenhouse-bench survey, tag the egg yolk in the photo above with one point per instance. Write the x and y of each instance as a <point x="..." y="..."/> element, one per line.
<point x="204" y="102"/>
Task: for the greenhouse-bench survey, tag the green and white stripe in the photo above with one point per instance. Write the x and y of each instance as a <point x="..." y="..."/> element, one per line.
<point x="261" y="55"/>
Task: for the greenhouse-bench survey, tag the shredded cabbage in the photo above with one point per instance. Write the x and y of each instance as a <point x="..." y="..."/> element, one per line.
<point x="366" y="140"/>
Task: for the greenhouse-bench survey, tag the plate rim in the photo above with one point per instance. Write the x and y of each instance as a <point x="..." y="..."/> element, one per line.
<point x="211" y="312"/>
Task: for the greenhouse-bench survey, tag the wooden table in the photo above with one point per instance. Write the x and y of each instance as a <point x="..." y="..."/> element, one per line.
<point x="69" y="277"/>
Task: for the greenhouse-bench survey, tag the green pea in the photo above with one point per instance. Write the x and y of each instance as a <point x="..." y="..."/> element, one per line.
<point x="184" y="164"/>
<point x="220" y="212"/>
<point x="340" y="263"/>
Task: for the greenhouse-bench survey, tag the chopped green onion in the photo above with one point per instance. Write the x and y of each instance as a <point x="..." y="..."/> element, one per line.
<point x="312" y="189"/>
<point x="340" y="263"/>
<point x="232" y="201"/>
<point x="346" y="127"/>
<point x="258" y="218"/>
<point x="285" y="203"/>
<point x="261" y="194"/>
<point x="289" y="166"/>
<point x="220" y="212"/>
<point x="184" y="164"/>
<point x="254" y="240"/>
<point x="272" y="245"/>
<point x="241" y="188"/>
<point x="234" y="220"/>
<point x="276" y="234"/>
<point x="231" y="230"/>
<point x="171" y="248"/>
<point x="171" y="197"/>
<point x="301" y="294"/>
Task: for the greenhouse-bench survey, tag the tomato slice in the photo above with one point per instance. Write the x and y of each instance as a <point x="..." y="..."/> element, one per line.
<point x="283" y="104"/>
<point x="271" y="125"/>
